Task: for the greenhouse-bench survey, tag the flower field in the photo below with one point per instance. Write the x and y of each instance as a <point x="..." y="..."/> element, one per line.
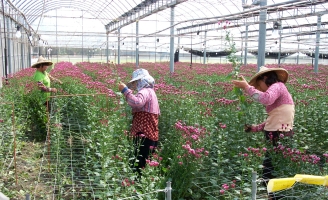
<point x="81" y="149"/>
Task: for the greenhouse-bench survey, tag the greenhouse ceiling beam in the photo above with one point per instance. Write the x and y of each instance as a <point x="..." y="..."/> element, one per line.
<point x="207" y="27"/>
<point x="272" y="40"/>
<point x="34" y="9"/>
<point x="90" y="34"/>
<point x="255" y="12"/>
<point x="290" y="5"/>
<point x="290" y="27"/>
<point x="65" y="33"/>
<point x="296" y="33"/>
<point x="143" y="10"/>
<point x="97" y="34"/>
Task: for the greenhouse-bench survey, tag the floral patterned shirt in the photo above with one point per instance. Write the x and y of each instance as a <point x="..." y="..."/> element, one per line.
<point x="275" y="96"/>
<point x="146" y="123"/>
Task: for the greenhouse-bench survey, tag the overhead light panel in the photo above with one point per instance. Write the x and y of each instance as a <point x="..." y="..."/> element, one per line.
<point x="18" y="32"/>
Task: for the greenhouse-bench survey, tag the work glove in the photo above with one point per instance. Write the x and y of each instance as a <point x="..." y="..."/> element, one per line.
<point x="121" y="86"/>
<point x="53" y="90"/>
<point x="247" y="128"/>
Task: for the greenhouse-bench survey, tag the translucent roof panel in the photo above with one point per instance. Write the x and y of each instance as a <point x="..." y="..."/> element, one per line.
<point x="102" y="10"/>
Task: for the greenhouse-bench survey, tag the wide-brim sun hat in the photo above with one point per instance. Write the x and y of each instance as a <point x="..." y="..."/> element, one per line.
<point x="41" y="60"/>
<point x="139" y="74"/>
<point x="281" y="73"/>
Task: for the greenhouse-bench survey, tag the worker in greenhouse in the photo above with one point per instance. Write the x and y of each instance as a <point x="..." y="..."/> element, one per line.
<point x="145" y="111"/>
<point x="268" y="88"/>
<point x="43" y="78"/>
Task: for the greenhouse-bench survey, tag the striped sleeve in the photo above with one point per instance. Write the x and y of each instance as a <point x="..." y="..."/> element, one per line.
<point x="145" y="100"/>
<point x="136" y="101"/>
<point x="42" y="87"/>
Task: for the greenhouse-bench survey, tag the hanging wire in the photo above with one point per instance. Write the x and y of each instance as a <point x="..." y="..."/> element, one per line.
<point x="141" y="195"/>
<point x="43" y="6"/>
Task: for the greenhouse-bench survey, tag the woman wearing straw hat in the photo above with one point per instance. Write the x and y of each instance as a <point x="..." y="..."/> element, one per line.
<point x="145" y="111"/>
<point x="43" y="78"/>
<point x="268" y="88"/>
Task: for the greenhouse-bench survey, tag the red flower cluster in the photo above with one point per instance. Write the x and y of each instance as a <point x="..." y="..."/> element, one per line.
<point x="226" y="186"/>
<point x="126" y="182"/>
<point x="193" y="136"/>
<point x="297" y="156"/>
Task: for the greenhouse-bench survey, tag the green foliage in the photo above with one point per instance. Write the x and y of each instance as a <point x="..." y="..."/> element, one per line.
<point x="236" y="64"/>
<point x="37" y="112"/>
<point x="31" y="107"/>
<point x="232" y="57"/>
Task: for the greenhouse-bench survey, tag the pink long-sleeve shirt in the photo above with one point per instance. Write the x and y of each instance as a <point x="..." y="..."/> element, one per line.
<point x="276" y="96"/>
<point x="145" y="100"/>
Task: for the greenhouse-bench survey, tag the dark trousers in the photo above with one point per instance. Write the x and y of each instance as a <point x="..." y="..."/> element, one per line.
<point x="272" y="137"/>
<point x="143" y="147"/>
<point x="268" y="168"/>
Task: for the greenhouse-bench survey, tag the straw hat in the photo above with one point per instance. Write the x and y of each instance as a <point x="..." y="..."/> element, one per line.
<point x="281" y="73"/>
<point x="40" y="61"/>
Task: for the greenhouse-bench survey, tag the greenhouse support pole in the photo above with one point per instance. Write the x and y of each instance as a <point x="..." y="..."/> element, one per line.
<point x="298" y="50"/>
<point x="39" y="49"/>
<point x="29" y="59"/>
<point x="172" y="41"/>
<point x="156" y="40"/>
<point x="5" y="41"/>
<point x="262" y="34"/>
<point x="57" y="37"/>
<point x="317" y="43"/>
<point x="241" y="47"/>
<point x="81" y="34"/>
<point x="279" y="53"/>
<point x="204" y="46"/>
<point x="254" y="185"/>
<point x="107" y="48"/>
<point x="191" y="50"/>
<point x="119" y="46"/>
<point x="137" y="43"/>
<point x="155" y="48"/>
<point x="246" y="42"/>
<point x="168" y="190"/>
<point x="9" y="65"/>
<point x="179" y="43"/>
<point x="22" y="54"/>
<point x="178" y="50"/>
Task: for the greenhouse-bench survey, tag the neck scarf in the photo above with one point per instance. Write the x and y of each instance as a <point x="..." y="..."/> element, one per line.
<point x="145" y="82"/>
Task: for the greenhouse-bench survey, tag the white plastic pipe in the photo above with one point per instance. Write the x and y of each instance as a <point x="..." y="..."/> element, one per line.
<point x="3" y="197"/>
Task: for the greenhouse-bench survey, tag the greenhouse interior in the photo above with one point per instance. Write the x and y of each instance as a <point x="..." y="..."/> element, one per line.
<point x="74" y="140"/>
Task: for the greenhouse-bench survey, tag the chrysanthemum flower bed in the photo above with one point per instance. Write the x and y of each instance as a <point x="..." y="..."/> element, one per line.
<point x="203" y="149"/>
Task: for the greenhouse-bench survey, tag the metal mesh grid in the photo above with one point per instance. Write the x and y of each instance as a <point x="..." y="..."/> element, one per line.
<point x="78" y="153"/>
<point x="7" y="140"/>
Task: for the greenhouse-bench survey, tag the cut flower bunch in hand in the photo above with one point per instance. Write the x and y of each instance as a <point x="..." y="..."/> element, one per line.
<point x="236" y="64"/>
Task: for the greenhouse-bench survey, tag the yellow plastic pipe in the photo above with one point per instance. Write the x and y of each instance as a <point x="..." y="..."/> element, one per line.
<point x="286" y="183"/>
<point x="314" y="180"/>
<point x="280" y="184"/>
